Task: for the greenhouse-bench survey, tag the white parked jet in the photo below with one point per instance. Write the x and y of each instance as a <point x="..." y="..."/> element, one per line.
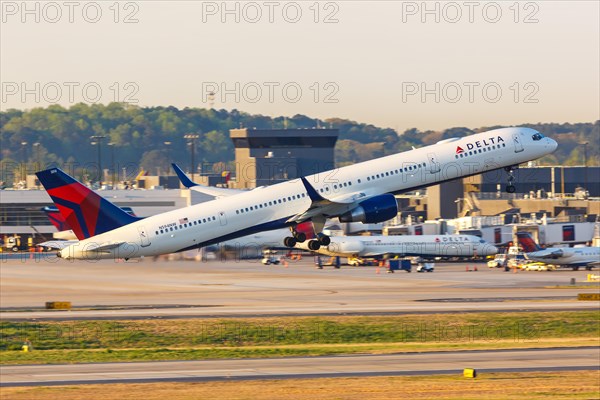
<point x="410" y="245"/>
<point x="573" y="257"/>
<point x="358" y="193"/>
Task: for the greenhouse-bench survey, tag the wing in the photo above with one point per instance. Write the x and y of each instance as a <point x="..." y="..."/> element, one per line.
<point x="208" y="190"/>
<point x="548" y="254"/>
<point x="320" y="206"/>
<point x="216" y="192"/>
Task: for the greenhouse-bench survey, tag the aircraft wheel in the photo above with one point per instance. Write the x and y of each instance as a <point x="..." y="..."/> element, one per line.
<point x="510" y="189"/>
<point x="289" y="242"/>
<point x="323" y="239"/>
<point x="300" y="237"/>
<point x="314" y="245"/>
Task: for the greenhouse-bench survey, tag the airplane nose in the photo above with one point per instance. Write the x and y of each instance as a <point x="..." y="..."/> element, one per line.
<point x="552" y="144"/>
<point x="492" y="250"/>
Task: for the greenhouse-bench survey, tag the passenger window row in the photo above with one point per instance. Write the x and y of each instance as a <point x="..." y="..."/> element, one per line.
<point x="409" y="169"/>
<point x="185" y="225"/>
<point x="478" y="151"/>
<point x="270" y="203"/>
<point x="337" y="186"/>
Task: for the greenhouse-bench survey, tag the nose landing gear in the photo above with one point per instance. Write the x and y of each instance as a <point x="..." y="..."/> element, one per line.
<point x="510" y="188"/>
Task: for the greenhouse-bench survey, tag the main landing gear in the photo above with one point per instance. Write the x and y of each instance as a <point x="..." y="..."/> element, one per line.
<point x="300" y="237"/>
<point x="510" y="188"/>
<point x="297" y="237"/>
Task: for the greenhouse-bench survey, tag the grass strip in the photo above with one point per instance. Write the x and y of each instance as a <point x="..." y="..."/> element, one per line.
<point x="138" y="340"/>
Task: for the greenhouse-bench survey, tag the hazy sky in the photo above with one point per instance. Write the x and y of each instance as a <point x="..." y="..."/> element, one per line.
<point x="398" y="64"/>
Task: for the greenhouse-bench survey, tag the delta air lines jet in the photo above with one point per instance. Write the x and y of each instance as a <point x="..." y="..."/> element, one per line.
<point x="409" y="245"/>
<point x="573" y="257"/>
<point x="363" y="192"/>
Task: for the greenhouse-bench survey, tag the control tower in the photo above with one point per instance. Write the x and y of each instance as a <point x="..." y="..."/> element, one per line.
<point x="268" y="156"/>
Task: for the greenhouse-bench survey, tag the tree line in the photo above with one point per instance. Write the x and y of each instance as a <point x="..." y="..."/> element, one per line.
<point x="152" y="137"/>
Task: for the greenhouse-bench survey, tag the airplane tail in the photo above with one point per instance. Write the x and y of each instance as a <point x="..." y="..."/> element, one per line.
<point x="527" y="243"/>
<point x="55" y="218"/>
<point x="87" y="213"/>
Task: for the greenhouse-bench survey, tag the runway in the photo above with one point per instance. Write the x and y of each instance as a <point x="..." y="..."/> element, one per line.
<point x="189" y="289"/>
<point x="451" y="362"/>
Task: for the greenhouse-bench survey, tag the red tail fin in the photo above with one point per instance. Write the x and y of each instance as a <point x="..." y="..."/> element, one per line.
<point x="55" y="218"/>
<point x="87" y="213"/>
<point x="527" y="243"/>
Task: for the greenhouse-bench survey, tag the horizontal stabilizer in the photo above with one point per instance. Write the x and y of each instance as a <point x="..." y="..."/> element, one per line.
<point x="57" y="244"/>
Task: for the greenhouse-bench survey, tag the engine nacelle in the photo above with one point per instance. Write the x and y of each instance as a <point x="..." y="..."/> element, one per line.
<point x="346" y="247"/>
<point x="374" y="210"/>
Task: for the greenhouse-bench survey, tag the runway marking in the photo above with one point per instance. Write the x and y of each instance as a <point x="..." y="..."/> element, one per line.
<point x="150" y="372"/>
<point x="291" y="376"/>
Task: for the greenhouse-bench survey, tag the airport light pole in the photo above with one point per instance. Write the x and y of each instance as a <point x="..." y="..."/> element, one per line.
<point x="113" y="168"/>
<point x="24" y="167"/>
<point x="192" y="137"/>
<point x="168" y="151"/>
<point x="585" y="177"/>
<point x="98" y="142"/>
<point x="36" y="145"/>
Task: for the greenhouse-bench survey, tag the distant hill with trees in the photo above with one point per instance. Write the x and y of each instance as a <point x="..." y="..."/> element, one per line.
<point x="151" y="137"/>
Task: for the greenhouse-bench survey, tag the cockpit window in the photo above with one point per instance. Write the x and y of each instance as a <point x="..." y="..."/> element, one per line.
<point x="537" y="136"/>
<point x="481" y="241"/>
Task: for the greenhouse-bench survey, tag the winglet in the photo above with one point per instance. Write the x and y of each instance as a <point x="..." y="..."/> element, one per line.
<point x="311" y="191"/>
<point x="187" y="182"/>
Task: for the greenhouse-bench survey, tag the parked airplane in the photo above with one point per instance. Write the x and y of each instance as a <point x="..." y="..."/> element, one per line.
<point x="358" y="193"/>
<point x="413" y="245"/>
<point x="573" y="257"/>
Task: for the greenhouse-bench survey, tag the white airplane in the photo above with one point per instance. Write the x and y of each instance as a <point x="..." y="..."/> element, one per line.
<point x="358" y="193"/>
<point x="573" y="257"/>
<point x="413" y="245"/>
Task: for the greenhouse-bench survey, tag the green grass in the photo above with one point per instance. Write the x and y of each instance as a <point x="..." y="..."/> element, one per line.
<point x="86" y="341"/>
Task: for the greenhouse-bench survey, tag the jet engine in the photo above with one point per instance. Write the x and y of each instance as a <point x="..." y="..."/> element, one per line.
<point x="371" y="211"/>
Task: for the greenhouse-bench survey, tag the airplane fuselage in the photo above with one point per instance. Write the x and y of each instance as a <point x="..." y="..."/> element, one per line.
<point x="571" y="256"/>
<point x="413" y="245"/>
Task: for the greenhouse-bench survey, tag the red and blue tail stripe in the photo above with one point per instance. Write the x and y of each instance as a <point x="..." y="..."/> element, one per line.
<point x="56" y="218"/>
<point x="527" y="243"/>
<point x="87" y="213"/>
